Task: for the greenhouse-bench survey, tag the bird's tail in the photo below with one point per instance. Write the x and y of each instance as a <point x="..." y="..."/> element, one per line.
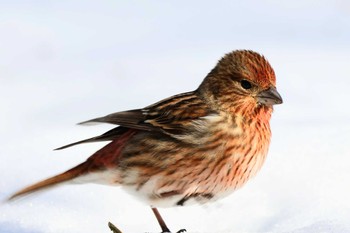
<point x="102" y="159"/>
<point x="79" y="170"/>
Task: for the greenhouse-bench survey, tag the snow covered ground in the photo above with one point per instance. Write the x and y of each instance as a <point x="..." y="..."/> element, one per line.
<point x="65" y="62"/>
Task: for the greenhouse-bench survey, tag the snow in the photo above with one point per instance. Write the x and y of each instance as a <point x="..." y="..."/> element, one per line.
<point x="66" y="62"/>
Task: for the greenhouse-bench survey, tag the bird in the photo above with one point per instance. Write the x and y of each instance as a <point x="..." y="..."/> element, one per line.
<point x="191" y="148"/>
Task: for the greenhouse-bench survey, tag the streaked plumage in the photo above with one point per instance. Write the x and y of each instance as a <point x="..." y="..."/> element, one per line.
<point x="193" y="147"/>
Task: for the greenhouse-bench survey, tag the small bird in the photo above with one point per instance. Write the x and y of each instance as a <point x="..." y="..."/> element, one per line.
<point x="193" y="147"/>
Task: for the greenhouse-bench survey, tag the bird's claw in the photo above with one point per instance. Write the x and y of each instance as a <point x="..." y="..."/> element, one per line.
<point x="182" y="231"/>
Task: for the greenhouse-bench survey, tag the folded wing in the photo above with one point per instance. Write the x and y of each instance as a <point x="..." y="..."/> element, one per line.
<point x="172" y="116"/>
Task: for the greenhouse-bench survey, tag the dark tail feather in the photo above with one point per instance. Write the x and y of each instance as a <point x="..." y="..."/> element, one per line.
<point x="51" y="182"/>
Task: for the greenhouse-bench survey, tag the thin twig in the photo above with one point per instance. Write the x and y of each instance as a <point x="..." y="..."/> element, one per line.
<point x="113" y="228"/>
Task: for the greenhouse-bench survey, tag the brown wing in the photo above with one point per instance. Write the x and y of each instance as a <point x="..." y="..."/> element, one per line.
<point x="172" y="115"/>
<point x="131" y="119"/>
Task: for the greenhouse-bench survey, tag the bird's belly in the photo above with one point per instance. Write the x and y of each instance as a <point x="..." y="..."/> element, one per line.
<point x="195" y="184"/>
<point x="151" y="194"/>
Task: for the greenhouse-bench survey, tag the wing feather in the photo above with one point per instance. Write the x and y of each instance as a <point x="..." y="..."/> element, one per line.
<point x="173" y="116"/>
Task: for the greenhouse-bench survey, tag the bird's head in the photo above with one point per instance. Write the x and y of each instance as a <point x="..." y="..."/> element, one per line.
<point x="242" y="82"/>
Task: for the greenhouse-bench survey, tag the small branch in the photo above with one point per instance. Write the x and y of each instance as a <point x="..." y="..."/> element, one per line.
<point x="113" y="228"/>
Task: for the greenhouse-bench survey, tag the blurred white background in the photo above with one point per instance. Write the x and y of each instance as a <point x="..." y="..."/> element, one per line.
<point x="62" y="62"/>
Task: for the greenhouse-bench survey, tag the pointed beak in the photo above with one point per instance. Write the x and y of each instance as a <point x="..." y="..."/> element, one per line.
<point x="269" y="97"/>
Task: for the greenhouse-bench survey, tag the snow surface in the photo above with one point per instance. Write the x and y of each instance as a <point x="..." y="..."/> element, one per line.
<point x="62" y="62"/>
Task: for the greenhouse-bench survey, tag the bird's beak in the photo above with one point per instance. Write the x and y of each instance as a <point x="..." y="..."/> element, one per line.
<point x="269" y="97"/>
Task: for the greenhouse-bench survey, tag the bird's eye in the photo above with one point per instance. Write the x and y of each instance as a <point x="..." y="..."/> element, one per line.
<point x="246" y="84"/>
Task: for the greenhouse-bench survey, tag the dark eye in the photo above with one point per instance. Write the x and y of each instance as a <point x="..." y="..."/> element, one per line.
<point x="246" y="84"/>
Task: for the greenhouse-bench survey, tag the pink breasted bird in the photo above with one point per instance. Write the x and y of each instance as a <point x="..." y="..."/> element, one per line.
<point x="193" y="147"/>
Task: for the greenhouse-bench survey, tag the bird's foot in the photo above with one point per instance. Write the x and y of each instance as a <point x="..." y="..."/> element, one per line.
<point x="115" y="229"/>
<point x="181" y="231"/>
